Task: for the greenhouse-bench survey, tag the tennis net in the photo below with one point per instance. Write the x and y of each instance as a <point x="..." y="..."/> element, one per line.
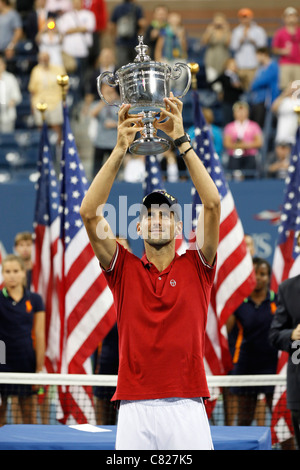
<point x="244" y="400"/>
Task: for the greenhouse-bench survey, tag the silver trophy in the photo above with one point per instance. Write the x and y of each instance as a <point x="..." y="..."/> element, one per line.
<point x="144" y="84"/>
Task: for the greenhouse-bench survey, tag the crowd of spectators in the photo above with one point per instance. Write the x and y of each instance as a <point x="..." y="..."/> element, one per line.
<point x="241" y="67"/>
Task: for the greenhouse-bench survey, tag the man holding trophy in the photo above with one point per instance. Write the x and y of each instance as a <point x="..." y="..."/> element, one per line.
<point x="161" y="300"/>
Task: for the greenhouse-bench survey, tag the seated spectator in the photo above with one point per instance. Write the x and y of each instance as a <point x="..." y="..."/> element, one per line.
<point x="286" y="45"/>
<point x="284" y="109"/>
<point x="44" y="88"/>
<point x="232" y="89"/>
<point x="264" y="88"/>
<point x="245" y="39"/>
<point x="10" y="29"/>
<point x="216" y="39"/>
<point x="10" y="97"/>
<point x="278" y="168"/>
<point x="171" y="165"/>
<point x="242" y="141"/>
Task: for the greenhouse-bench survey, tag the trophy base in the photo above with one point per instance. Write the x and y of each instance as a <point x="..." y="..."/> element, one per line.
<point x="149" y="146"/>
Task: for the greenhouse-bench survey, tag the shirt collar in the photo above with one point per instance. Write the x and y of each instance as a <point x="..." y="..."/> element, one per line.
<point x="148" y="264"/>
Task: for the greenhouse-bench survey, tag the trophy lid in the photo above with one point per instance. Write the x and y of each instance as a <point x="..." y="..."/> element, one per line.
<point x="142" y="51"/>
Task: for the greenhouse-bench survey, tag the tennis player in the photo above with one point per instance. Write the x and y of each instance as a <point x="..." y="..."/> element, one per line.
<point x="161" y="300"/>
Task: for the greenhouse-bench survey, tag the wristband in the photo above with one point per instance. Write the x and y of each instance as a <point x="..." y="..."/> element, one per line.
<point x="184" y="153"/>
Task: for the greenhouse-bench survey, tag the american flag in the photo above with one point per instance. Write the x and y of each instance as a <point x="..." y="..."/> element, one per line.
<point x="87" y="311"/>
<point x="45" y="236"/>
<point x="235" y="278"/>
<point x="286" y="264"/>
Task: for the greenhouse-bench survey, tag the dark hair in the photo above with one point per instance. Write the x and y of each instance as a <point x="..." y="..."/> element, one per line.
<point x="260" y="261"/>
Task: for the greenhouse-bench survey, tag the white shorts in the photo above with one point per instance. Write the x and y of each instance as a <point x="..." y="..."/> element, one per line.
<point x="164" y="424"/>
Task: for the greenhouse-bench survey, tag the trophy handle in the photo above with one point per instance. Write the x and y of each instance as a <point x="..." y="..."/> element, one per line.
<point x="176" y="73"/>
<point x="111" y="81"/>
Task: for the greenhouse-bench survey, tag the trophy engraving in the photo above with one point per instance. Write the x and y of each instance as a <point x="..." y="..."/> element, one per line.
<point x="144" y="84"/>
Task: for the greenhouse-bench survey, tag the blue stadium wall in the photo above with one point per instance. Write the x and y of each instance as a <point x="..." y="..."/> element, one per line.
<point x="258" y="204"/>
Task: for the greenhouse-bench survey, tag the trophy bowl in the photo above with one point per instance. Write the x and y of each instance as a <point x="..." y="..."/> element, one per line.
<point x="144" y="84"/>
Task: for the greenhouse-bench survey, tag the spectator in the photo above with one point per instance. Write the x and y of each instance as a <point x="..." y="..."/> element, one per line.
<point x="253" y="353"/>
<point x="134" y="168"/>
<point x="286" y="45"/>
<point x="10" y="97"/>
<point x="278" y="168"/>
<point x="50" y="40"/>
<point x="23" y="245"/>
<point x="77" y="27"/>
<point x="171" y="47"/>
<point x="242" y="142"/>
<point x="35" y="21"/>
<point x="108" y="363"/>
<point x="105" y="120"/>
<point x="44" y="88"/>
<point x="21" y="311"/>
<point x="232" y="89"/>
<point x="245" y="39"/>
<point x="106" y="62"/>
<point x="264" y="88"/>
<point x="284" y="335"/>
<point x="158" y="22"/>
<point x="126" y="23"/>
<point x="98" y="8"/>
<point x="284" y="109"/>
<point x="216" y="39"/>
<point x="10" y="29"/>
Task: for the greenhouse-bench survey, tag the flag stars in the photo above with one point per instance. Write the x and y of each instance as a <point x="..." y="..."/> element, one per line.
<point x="74" y="180"/>
<point x="76" y="194"/>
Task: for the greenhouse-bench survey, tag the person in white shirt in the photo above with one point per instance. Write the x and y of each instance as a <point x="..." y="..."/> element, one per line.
<point x="10" y="97"/>
<point x="246" y="38"/>
<point x="77" y="27"/>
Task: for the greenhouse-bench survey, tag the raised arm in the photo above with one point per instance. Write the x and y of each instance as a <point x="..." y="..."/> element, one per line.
<point x="207" y="233"/>
<point x="100" y="234"/>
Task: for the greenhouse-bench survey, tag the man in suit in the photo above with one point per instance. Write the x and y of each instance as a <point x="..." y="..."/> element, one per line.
<point x="285" y="335"/>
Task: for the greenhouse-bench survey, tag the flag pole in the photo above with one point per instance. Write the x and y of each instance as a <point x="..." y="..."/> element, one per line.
<point x="63" y="81"/>
<point x="42" y="107"/>
<point x="194" y="70"/>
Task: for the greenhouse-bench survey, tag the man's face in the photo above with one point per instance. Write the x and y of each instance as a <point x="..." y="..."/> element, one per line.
<point x="158" y="225"/>
<point x="24" y="249"/>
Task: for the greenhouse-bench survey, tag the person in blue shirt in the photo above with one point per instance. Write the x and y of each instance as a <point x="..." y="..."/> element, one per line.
<point x="264" y="88"/>
<point x="253" y="353"/>
<point x="22" y="332"/>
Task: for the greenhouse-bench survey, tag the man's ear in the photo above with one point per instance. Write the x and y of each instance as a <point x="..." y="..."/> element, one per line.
<point x="178" y="228"/>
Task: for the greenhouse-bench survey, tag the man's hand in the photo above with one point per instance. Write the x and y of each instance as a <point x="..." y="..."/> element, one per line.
<point x="296" y="333"/>
<point x="128" y="126"/>
<point x="172" y="117"/>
